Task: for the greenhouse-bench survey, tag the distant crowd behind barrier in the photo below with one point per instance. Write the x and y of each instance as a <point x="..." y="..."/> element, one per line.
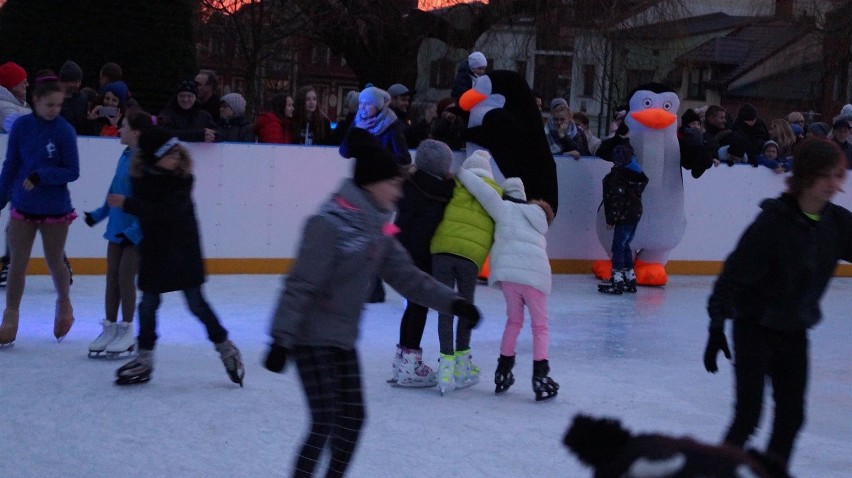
<point x="252" y="200"/>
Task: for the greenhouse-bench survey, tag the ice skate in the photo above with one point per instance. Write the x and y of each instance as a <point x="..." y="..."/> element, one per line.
<point x="630" y="281"/>
<point x="446" y="369"/>
<point x="137" y="370"/>
<point x="614" y="285"/>
<point x="123" y="343"/>
<point x="466" y="373"/>
<point x="397" y="361"/>
<point x="233" y="361"/>
<point x="413" y="372"/>
<point x="98" y="347"/>
<point x="543" y="386"/>
<point x="9" y="329"/>
<point x="63" y="319"/>
<point x="503" y="377"/>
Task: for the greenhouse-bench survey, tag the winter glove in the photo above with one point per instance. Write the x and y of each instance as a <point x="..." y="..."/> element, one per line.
<point x="90" y="221"/>
<point x="276" y="358"/>
<point x="716" y="342"/>
<point x="467" y="311"/>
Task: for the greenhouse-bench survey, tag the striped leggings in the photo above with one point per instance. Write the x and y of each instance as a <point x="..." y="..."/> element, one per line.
<point x="331" y="378"/>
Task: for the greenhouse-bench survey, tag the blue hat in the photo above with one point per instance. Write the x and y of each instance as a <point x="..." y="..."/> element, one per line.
<point x="119" y="89"/>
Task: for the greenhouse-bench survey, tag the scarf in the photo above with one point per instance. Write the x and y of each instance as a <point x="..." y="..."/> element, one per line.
<point x="376" y="125"/>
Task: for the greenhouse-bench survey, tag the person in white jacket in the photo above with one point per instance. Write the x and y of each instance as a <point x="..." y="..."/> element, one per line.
<point x="521" y="269"/>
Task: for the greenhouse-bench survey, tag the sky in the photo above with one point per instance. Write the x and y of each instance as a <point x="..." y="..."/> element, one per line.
<point x="635" y="357"/>
<point x="430" y="4"/>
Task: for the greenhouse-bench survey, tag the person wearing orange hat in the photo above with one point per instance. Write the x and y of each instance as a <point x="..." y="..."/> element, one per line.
<point x="13" y="94"/>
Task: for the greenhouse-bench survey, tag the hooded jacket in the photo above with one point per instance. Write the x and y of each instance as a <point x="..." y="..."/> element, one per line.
<point x="344" y="246"/>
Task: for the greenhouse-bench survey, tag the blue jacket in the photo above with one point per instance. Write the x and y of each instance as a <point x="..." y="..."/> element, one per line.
<point x="119" y="221"/>
<point x="49" y="149"/>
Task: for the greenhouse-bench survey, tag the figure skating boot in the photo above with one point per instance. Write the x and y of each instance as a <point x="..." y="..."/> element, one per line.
<point x="137" y="370"/>
<point x="397" y="361"/>
<point x="446" y="368"/>
<point x="413" y="372"/>
<point x="543" y="386"/>
<point x="503" y="377"/>
<point x="466" y="373"/>
<point x="99" y="345"/>
<point x="9" y="328"/>
<point x="630" y="281"/>
<point x="615" y="284"/>
<point x="123" y="343"/>
<point x="233" y="361"/>
<point x="63" y="319"/>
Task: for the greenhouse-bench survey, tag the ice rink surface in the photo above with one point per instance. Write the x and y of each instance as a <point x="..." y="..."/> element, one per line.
<point x="632" y="357"/>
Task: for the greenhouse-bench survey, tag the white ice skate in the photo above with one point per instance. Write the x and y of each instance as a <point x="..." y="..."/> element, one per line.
<point x="397" y="361"/>
<point x="466" y="373"/>
<point x="446" y="368"/>
<point x="412" y="372"/>
<point x="124" y="342"/>
<point x="99" y="345"/>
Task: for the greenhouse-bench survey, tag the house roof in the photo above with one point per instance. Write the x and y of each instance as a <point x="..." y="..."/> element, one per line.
<point x="744" y="48"/>
<point x="685" y="27"/>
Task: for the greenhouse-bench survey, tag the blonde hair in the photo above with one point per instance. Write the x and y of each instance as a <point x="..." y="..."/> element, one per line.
<point x="183" y="169"/>
<point x="781" y="132"/>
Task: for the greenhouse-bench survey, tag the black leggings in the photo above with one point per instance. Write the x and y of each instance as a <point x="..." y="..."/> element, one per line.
<point x="331" y="379"/>
<point x="783" y="358"/>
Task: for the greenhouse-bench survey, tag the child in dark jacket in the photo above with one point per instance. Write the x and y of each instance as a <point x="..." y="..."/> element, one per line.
<point x="622" y="190"/>
<point x="170" y="251"/>
<point x="770" y="288"/>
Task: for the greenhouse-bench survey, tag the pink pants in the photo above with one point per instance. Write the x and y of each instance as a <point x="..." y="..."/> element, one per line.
<point x="536" y="301"/>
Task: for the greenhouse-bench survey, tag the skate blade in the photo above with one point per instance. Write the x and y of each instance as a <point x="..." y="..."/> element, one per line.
<point x="121" y="381"/>
<point x="8" y="346"/>
<point x="467" y="384"/>
<point x="391" y="380"/>
<point x="544" y="398"/>
<point x="413" y="385"/>
<point x="236" y="377"/>
<point x="97" y="355"/>
<point x="120" y="355"/>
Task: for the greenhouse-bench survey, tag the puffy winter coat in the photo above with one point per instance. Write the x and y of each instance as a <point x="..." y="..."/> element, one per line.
<point x="622" y="190"/>
<point x="424" y="198"/>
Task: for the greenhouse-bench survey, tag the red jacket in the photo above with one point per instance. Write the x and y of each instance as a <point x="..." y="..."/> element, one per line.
<point x="270" y="128"/>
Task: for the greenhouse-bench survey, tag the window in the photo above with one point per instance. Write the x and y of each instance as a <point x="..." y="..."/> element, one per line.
<point x="441" y="74"/>
<point x="589" y="76"/>
<point x="553" y="76"/>
<point x="697" y="83"/>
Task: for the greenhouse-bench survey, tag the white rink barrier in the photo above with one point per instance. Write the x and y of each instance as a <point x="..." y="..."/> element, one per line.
<point x="252" y="200"/>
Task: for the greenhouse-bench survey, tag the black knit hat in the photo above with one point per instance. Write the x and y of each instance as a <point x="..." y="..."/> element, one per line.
<point x="155" y="143"/>
<point x="373" y="163"/>
<point x="689" y="116"/>
<point x="187" y="85"/>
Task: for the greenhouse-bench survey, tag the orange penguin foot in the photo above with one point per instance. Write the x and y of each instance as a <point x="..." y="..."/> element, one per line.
<point x="602" y="269"/>
<point x="650" y="273"/>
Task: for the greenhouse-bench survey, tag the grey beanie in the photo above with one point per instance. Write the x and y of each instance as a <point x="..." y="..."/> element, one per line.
<point x="374" y="96"/>
<point x="514" y="188"/>
<point x="434" y="157"/>
<point x="70" y="71"/>
<point x="236" y="102"/>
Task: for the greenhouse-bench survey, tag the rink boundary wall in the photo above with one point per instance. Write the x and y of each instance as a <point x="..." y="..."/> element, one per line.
<point x="252" y="200"/>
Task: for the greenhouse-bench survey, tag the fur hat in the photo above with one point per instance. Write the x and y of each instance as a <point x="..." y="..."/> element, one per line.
<point x="622" y="154"/>
<point x="480" y="159"/>
<point x="70" y="71"/>
<point x="476" y="60"/>
<point x="397" y="89"/>
<point x="236" y="102"/>
<point x="689" y="116"/>
<point x="373" y="163"/>
<point x="119" y="89"/>
<point x="188" y="86"/>
<point x="11" y="74"/>
<point x="154" y="143"/>
<point x="374" y="96"/>
<point x="434" y="157"/>
<point x="514" y="188"/>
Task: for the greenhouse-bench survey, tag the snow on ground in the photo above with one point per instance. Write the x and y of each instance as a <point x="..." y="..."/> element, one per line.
<point x="636" y="358"/>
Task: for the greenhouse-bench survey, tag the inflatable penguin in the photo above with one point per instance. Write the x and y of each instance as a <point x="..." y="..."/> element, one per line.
<point x="505" y="120"/>
<point x="652" y="120"/>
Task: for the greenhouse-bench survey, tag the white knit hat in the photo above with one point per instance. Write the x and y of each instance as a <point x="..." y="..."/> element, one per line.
<point x="514" y="188"/>
<point x="236" y="102"/>
<point x="476" y="60"/>
<point x="480" y="159"/>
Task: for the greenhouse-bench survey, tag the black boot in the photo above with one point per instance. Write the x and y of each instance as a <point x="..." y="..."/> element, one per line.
<point x="503" y="377"/>
<point x="543" y="386"/>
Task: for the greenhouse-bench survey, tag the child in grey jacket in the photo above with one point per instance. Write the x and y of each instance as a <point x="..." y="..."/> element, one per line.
<point x="347" y="243"/>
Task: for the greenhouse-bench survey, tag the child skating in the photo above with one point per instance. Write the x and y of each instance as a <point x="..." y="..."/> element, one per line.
<point x="520" y="268"/>
<point x="170" y="251"/>
<point x="622" y="191"/>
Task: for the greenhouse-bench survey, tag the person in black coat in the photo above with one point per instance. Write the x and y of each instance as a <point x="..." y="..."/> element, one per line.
<point x="184" y="118"/>
<point x="170" y="251"/>
<point x="749" y="134"/>
<point x="234" y="127"/>
<point x="425" y="196"/>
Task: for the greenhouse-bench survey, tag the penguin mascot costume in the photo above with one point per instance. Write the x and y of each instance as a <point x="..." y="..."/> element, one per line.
<point x="505" y="120"/>
<point x="652" y="121"/>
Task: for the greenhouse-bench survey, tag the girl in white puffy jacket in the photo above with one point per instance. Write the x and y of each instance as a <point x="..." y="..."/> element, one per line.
<point x="521" y="269"/>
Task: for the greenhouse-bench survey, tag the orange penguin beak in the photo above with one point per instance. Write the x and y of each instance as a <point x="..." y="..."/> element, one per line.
<point x="471" y="98"/>
<point x="654" y="118"/>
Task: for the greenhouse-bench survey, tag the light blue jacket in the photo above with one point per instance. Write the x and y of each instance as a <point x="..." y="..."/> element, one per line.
<point x="119" y="221"/>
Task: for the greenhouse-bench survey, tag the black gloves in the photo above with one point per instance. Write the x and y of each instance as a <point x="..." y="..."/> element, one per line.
<point x="715" y="342"/>
<point x="90" y="221"/>
<point x="467" y="311"/>
<point x="276" y="358"/>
